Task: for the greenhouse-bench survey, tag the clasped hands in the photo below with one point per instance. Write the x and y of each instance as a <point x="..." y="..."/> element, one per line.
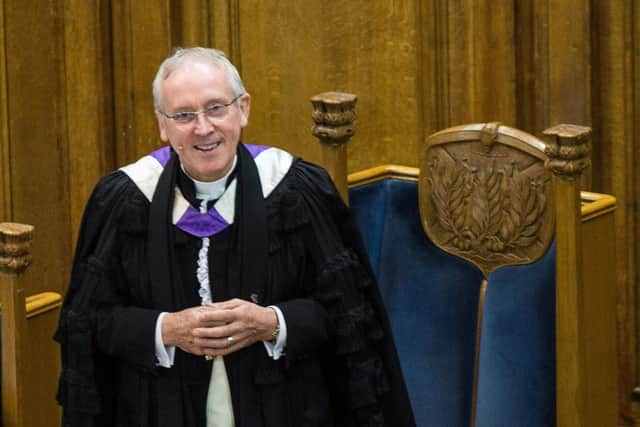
<point x="205" y="330"/>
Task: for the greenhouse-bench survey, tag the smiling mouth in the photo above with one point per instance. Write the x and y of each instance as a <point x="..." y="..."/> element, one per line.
<point x="207" y="147"/>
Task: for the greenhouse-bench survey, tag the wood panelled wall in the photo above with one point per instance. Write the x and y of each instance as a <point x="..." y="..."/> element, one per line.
<point x="75" y="94"/>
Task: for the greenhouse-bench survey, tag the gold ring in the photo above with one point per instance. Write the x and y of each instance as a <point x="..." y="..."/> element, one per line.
<point x="207" y="357"/>
<point x="230" y="339"/>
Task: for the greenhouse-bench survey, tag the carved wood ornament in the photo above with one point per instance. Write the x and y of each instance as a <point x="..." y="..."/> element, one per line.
<point x="568" y="149"/>
<point x="485" y="195"/>
<point x="15" y="244"/>
<point x="333" y="116"/>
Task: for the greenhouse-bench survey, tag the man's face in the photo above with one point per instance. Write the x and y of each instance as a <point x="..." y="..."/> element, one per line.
<point x="206" y="147"/>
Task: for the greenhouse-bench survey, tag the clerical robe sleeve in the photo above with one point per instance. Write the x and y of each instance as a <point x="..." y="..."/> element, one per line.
<point x="104" y="312"/>
<point x="342" y="312"/>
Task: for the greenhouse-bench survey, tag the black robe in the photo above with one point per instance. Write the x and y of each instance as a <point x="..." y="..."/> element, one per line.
<point x="341" y="368"/>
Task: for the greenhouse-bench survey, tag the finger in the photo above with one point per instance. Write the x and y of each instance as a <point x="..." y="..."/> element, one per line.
<point x="221" y="331"/>
<point x="217" y="316"/>
<point x="207" y="344"/>
<point x="231" y="348"/>
<point x="230" y="341"/>
<point x="220" y="343"/>
<point x="229" y="304"/>
<point x="210" y="324"/>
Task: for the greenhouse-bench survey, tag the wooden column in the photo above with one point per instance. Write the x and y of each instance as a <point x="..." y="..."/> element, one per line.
<point x="564" y="143"/>
<point x="616" y="168"/>
<point x="334" y="115"/>
<point x="585" y="371"/>
<point x="193" y="22"/>
<point x="15" y="257"/>
<point x="143" y="36"/>
<point x="553" y="54"/>
<point x="5" y="152"/>
<point x="88" y="72"/>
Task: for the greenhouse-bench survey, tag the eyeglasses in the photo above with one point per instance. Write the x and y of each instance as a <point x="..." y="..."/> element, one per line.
<point x="213" y="112"/>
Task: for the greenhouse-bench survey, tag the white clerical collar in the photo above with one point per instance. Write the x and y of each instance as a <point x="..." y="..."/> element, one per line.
<point x="273" y="165"/>
<point x="210" y="190"/>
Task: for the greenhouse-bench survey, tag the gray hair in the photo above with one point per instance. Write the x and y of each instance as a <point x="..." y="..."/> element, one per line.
<point x="201" y="54"/>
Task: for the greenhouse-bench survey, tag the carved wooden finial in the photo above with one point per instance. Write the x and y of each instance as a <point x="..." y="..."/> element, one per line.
<point x="15" y="245"/>
<point x="489" y="133"/>
<point x="568" y="149"/>
<point x="334" y="115"/>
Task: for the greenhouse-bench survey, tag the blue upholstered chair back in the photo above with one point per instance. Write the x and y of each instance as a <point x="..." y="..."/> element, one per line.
<point x="432" y="298"/>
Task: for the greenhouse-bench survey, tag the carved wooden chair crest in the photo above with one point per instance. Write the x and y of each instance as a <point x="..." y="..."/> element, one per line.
<point x="486" y="196"/>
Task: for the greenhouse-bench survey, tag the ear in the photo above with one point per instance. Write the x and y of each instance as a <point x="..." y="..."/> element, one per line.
<point x="245" y="107"/>
<point x="162" y="124"/>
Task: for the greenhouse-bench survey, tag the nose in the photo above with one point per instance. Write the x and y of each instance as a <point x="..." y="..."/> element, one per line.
<point x="203" y="126"/>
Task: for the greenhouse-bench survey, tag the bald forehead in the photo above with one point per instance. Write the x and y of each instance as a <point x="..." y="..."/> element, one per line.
<point x="197" y="66"/>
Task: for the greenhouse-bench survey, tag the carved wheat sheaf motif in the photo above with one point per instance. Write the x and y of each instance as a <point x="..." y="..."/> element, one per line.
<point x="487" y="209"/>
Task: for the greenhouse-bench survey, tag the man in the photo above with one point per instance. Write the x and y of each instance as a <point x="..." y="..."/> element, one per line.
<point x="222" y="284"/>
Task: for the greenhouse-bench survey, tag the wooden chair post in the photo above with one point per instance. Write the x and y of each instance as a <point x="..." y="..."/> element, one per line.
<point x="15" y="242"/>
<point x="585" y="363"/>
<point x="334" y="115"/>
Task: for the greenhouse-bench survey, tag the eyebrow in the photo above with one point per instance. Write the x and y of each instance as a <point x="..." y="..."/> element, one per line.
<point x="206" y="104"/>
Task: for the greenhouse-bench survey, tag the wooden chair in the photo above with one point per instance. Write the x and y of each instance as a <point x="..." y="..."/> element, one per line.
<point x="30" y="357"/>
<point x="496" y="271"/>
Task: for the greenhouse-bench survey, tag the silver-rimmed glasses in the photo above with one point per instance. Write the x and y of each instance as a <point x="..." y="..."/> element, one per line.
<point x="213" y="112"/>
